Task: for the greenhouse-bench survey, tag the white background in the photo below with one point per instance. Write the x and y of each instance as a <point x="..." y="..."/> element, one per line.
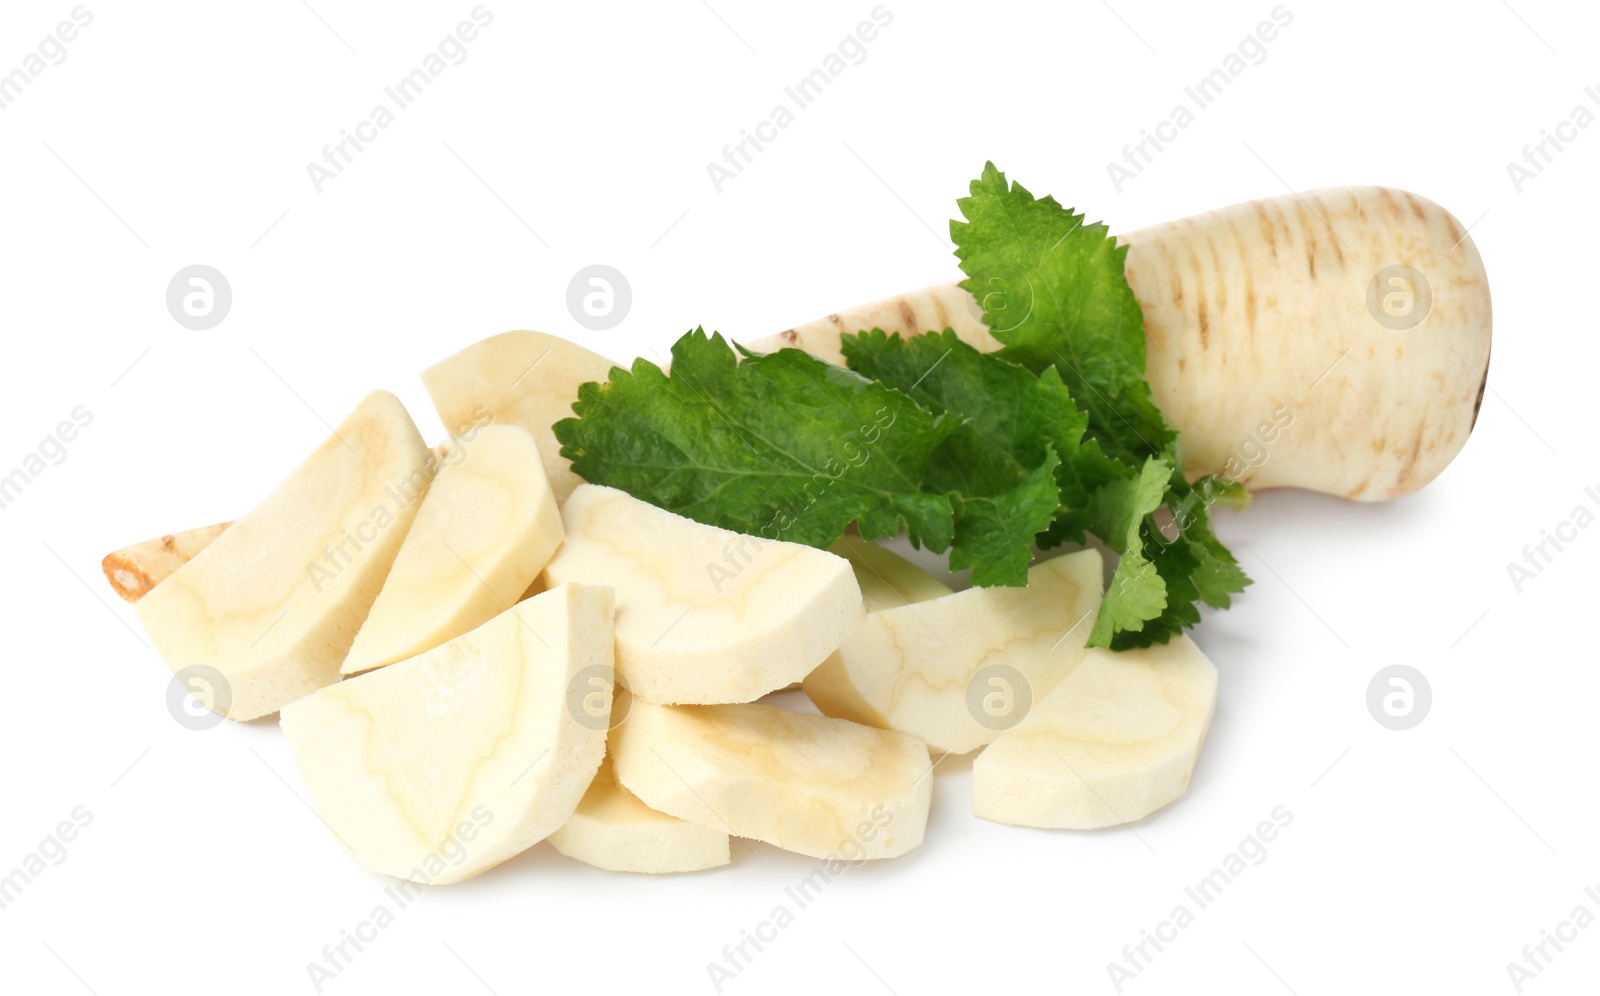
<point x="179" y="133"/>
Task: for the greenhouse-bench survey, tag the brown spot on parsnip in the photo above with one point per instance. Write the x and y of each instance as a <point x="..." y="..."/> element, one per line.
<point x="1456" y="234"/>
<point x="1483" y="385"/>
<point x="908" y="315"/>
<point x="1249" y="303"/>
<point x="1172" y="271"/>
<point x="1205" y="324"/>
<point x="1216" y="272"/>
<point x="1407" y="469"/>
<point x="1266" y="228"/>
<point x="789" y="336"/>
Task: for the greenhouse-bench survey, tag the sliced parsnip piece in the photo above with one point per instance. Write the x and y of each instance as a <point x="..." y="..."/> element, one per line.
<point x="887" y="579"/>
<point x="704" y="615"/>
<point x="823" y="787"/>
<point x="957" y="669"/>
<point x="274" y="602"/>
<point x="520" y="378"/>
<point x="441" y="766"/>
<point x="134" y="570"/>
<point x="486" y="529"/>
<point x="1115" y="741"/>
<point x="613" y="830"/>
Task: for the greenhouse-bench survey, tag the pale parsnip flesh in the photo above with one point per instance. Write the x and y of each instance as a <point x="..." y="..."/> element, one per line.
<point x="134" y="570"/>
<point x="523" y="378"/>
<point x="822" y="787"/>
<point x="441" y="766"/>
<point x="274" y="602"/>
<point x="487" y="527"/>
<point x="704" y="615"/>
<point x="958" y="669"/>
<point x="1261" y="346"/>
<point x="1113" y="742"/>
<point x="887" y="580"/>
<point x="613" y="830"/>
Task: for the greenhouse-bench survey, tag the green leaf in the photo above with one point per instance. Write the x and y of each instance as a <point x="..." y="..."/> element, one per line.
<point x="1053" y="292"/>
<point x="1013" y="463"/>
<point x="782" y="446"/>
<point x="1138" y="590"/>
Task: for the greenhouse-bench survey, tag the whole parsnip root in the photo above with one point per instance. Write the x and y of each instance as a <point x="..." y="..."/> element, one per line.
<point x="1284" y="339"/>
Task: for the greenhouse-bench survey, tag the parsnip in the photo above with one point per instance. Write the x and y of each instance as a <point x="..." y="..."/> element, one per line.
<point x="823" y="787"/>
<point x="441" y="766"/>
<point x="1113" y="742"/>
<point x="704" y="615"/>
<point x="520" y="378"/>
<point x="134" y="570"/>
<point x="613" y="830"/>
<point x="274" y="602"/>
<point x="955" y="670"/>
<point x="1262" y="347"/>
<point x="485" y="530"/>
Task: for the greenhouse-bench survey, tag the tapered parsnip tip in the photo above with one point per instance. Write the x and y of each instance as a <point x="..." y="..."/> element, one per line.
<point x="134" y="570"/>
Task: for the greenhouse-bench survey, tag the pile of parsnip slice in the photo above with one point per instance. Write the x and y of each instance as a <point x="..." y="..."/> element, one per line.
<point x="472" y="651"/>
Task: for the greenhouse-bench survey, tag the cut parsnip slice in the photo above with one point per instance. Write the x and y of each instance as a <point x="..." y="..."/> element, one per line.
<point x="823" y="787"/>
<point x="273" y="603"/>
<point x="1115" y="741"/>
<point x="704" y="615"/>
<point x="486" y="529"/>
<point x="613" y="830"/>
<point x="520" y="378"/>
<point x="441" y="766"/>
<point x="887" y="579"/>
<point x="134" y="570"/>
<point x="956" y="670"/>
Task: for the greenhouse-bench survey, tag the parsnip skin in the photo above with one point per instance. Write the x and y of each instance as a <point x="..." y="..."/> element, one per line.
<point x="1261" y="347"/>
<point x="134" y="570"/>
